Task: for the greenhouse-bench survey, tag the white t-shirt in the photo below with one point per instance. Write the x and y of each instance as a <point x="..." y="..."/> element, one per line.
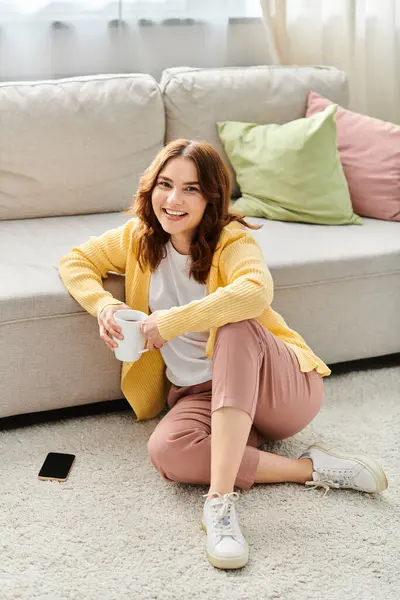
<point x="170" y="285"/>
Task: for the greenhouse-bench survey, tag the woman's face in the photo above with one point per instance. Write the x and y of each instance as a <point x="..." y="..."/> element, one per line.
<point x="177" y="201"/>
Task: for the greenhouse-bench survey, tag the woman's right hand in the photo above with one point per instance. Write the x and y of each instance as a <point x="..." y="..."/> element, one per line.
<point x="108" y="325"/>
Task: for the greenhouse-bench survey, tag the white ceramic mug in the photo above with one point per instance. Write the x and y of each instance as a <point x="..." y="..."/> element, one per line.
<point x="131" y="348"/>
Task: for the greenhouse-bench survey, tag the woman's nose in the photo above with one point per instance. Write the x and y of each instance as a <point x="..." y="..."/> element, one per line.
<point x="174" y="197"/>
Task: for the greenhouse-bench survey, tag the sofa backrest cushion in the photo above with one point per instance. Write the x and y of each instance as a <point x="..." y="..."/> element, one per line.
<point x="195" y="99"/>
<point x="77" y="145"/>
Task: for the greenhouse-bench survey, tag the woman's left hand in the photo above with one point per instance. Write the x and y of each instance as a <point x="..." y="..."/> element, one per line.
<point x="149" y="328"/>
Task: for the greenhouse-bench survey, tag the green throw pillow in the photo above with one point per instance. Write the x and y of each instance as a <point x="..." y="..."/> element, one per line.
<point x="290" y="172"/>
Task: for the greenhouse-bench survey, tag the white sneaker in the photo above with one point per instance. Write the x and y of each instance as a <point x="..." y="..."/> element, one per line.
<point x="226" y="547"/>
<point x="334" y="469"/>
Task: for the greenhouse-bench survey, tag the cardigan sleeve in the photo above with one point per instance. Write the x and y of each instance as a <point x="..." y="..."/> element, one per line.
<point x="84" y="267"/>
<point x="247" y="291"/>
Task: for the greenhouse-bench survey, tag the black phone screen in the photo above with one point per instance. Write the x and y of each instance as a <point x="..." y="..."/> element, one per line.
<point x="56" y="465"/>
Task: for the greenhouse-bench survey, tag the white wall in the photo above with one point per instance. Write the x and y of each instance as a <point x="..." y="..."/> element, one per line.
<point x="49" y="50"/>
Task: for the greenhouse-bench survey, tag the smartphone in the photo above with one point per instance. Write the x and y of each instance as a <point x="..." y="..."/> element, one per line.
<point x="56" y="466"/>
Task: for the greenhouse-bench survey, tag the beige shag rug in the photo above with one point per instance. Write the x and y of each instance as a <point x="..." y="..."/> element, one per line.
<point x="117" y="530"/>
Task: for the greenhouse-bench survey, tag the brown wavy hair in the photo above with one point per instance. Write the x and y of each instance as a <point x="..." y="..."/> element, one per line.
<point x="215" y="186"/>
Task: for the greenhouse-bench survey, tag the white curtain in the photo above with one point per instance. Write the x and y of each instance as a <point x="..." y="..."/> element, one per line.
<point x="361" y="37"/>
<point x="56" y="38"/>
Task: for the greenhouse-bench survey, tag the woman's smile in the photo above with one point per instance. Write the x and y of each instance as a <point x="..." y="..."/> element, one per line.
<point x="174" y="215"/>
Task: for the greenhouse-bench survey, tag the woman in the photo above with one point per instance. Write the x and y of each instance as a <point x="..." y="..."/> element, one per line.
<point x="237" y="374"/>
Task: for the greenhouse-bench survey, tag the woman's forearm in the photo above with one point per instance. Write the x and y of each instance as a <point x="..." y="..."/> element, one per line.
<point x="84" y="282"/>
<point x="241" y="300"/>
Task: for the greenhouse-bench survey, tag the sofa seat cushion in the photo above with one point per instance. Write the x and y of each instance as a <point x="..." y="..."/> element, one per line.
<point x="297" y="254"/>
<point x="30" y="249"/>
<point x="301" y="254"/>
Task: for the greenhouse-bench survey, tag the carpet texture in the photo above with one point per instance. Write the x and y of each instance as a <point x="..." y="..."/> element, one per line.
<point x="115" y="529"/>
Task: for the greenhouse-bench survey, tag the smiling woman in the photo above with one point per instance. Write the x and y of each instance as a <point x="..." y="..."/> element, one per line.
<point x="238" y="375"/>
<point x="184" y="197"/>
<point x="178" y="202"/>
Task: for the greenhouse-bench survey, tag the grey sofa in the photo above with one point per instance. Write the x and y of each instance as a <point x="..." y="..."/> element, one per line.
<point x="71" y="153"/>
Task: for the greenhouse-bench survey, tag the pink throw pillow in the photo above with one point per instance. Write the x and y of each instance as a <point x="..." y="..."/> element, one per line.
<point x="370" y="155"/>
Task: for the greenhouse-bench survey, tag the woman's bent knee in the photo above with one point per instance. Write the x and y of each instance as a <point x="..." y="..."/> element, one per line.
<point x="249" y="333"/>
<point x="179" y="455"/>
<point x="236" y="328"/>
<point x="156" y="447"/>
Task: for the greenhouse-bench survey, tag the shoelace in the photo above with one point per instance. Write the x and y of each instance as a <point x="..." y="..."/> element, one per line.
<point x="219" y="512"/>
<point x="325" y="481"/>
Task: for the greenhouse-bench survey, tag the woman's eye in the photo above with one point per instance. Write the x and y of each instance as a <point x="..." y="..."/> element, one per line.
<point x="163" y="184"/>
<point x="192" y="189"/>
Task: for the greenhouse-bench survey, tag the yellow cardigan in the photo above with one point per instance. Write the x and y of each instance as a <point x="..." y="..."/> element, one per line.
<point x="239" y="287"/>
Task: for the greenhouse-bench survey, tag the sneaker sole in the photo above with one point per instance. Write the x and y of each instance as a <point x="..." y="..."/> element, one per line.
<point x="233" y="562"/>
<point x="372" y="466"/>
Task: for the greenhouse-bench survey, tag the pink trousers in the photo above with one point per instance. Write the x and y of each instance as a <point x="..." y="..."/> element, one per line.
<point x="253" y="371"/>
